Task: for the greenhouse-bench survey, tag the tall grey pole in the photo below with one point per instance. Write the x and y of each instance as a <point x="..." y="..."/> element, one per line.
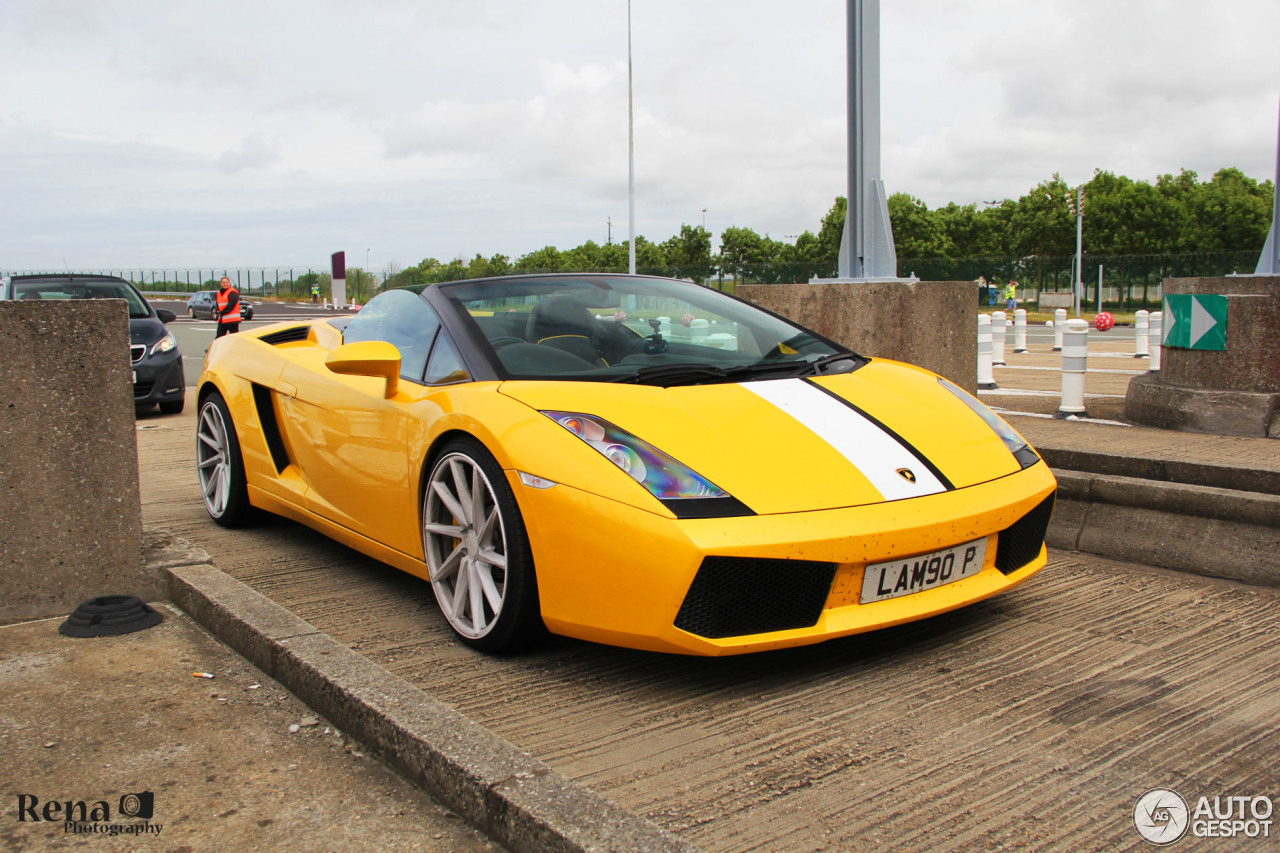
<point x="1275" y="213"/>
<point x="631" y="154"/>
<point x="851" y="259"/>
<point x="1269" y="261"/>
<point x="866" y="246"/>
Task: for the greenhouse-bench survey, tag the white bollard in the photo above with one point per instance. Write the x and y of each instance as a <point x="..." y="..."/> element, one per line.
<point x="1154" y="337"/>
<point x="986" y="379"/>
<point x="1059" y="326"/>
<point x="1141" y="328"/>
<point x="1020" y="330"/>
<point x="998" y="333"/>
<point x="698" y="331"/>
<point x="1075" y="363"/>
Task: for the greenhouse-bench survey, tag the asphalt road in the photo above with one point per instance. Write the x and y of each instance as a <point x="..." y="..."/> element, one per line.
<point x="194" y="336"/>
<point x="1031" y="721"/>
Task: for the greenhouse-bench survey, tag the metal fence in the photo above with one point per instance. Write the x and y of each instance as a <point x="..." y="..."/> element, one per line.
<point x="1129" y="282"/>
<point x="281" y="282"/>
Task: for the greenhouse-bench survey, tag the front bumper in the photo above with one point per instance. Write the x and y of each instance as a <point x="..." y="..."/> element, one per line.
<point x="621" y="576"/>
<point x="160" y="379"/>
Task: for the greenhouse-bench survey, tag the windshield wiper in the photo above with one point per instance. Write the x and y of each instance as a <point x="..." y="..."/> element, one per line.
<point x="667" y="375"/>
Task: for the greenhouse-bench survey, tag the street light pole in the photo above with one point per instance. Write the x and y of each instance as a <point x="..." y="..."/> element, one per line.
<point x="631" y="153"/>
<point x="1078" y="287"/>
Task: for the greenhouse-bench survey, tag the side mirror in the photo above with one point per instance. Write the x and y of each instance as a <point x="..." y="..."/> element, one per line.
<point x="164" y="315"/>
<point x="368" y="358"/>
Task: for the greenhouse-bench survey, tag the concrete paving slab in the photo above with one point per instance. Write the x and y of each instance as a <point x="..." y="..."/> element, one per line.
<point x="93" y="719"/>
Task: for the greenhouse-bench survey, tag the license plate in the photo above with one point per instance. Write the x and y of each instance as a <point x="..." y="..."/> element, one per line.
<point x="895" y="578"/>
<point x="135" y="376"/>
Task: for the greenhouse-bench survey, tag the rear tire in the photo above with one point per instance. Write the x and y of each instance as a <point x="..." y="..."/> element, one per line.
<point x="478" y="552"/>
<point x="220" y="466"/>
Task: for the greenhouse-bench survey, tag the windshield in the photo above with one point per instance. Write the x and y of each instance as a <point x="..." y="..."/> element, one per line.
<point x="631" y="329"/>
<point x="72" y="289"/>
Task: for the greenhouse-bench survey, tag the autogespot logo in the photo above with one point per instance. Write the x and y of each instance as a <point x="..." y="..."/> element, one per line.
<point x="1161" y="816"/>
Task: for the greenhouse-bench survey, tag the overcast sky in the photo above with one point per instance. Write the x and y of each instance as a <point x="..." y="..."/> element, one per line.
<point x="274" y="132"/>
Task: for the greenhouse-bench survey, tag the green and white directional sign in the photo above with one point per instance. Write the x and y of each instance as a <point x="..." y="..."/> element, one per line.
<point x="1196" y="321"/>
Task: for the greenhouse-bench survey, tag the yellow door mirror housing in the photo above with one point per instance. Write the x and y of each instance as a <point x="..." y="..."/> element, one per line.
<point x="368" y="358"/>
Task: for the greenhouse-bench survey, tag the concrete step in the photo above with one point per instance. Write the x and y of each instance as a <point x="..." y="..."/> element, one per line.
<point x="1238" y="477"/>
<point x="1216" y="532"/>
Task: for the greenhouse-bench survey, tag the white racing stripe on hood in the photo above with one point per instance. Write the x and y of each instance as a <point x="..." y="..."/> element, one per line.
<point x="874" y="452"/>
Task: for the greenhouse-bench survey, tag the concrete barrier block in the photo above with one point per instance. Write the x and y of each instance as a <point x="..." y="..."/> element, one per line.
<point x="72" y="517"/>
<point x="928" y="323"/>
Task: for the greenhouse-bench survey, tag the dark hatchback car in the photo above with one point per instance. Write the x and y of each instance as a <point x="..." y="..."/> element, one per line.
<point x="157" y="362"/>
<point x="201" y="304"/>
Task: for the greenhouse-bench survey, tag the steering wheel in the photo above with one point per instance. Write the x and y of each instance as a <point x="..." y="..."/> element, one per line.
<point x="505" y="341"/>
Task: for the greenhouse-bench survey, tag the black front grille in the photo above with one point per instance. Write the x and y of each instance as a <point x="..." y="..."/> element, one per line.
<point x="287" y="336"/>
<point x="142" y="389"/>
<point x="136" y="352"/>
<point x="1020" y="543"/>
<point x="734" y="596"/>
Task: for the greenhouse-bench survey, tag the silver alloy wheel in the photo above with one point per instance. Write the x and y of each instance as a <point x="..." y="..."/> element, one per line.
<point x="213" y="459"/>
<point x="466" y="544"/>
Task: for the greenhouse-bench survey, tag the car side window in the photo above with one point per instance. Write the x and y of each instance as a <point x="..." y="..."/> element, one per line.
<point x="401" y="318"/>
<point x="446" y="364"/>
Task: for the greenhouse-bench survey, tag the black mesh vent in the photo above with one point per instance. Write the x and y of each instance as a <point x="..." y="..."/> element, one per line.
<point x="733" y="596"/>
<point x="270" y="429"/>
<point x="287" y="336"/>
<point x="1020" y="543"/>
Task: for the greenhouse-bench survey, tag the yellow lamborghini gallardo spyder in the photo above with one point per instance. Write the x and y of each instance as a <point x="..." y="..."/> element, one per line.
<point x="624" y="459"/>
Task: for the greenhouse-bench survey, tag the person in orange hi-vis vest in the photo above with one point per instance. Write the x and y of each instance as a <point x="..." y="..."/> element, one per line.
<point x="228" y="309"/>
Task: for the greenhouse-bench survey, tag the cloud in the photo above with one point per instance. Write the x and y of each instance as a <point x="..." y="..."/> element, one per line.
<point x="281" y="131"/>
<point x="254" y="153"/>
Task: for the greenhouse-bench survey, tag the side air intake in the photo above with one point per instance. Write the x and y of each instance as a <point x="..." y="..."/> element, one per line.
<point x="286" y="336"/>
<point x="270" y="427"/>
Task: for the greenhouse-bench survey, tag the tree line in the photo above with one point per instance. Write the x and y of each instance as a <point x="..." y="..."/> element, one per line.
<point x="1176" y="215"/>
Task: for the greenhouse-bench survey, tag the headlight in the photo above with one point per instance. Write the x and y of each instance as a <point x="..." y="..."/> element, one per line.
<point x="1017" y="445"/>
<point x="165" y="344"/>
<point x="664" y="477"/>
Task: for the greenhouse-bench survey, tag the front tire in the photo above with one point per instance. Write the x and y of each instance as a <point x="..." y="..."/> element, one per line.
<point x="173" y="407"/>
<point x="477" y="551"/>
<point x="220" y="465"/>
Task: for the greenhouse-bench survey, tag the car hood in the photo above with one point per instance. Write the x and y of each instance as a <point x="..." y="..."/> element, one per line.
<point x="145" y="330"/>
<point x="888" y="431"/>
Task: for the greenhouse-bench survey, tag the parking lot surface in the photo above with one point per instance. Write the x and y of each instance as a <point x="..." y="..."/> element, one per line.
<point x="1031" y="721"/>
